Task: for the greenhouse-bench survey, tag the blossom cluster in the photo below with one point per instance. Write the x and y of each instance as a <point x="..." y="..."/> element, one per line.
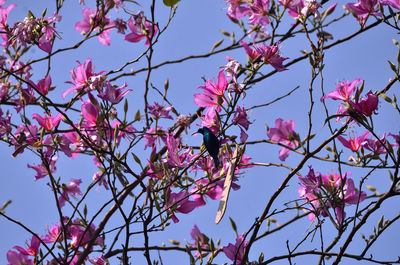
<point x="76" y="232"/>
<point x="323" y="192"/>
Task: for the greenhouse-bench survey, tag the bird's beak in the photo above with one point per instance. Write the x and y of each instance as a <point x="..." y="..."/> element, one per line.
<point x="194" y="133"/>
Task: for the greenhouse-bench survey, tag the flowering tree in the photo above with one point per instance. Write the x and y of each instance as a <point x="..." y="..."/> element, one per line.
<point x="140" y="143"/>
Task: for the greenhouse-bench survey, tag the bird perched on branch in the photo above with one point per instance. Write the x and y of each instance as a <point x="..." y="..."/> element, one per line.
<point x="212" y="144"/>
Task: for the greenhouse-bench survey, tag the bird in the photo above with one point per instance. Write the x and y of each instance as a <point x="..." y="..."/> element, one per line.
<point x="212" y="144"/>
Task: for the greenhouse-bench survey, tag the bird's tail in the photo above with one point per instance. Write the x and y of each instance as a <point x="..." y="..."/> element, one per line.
<point x="216" y="162"/>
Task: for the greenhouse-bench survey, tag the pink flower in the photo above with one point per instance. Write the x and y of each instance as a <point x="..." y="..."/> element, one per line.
<point x="204" y="187"/>
<point x="48" y="122"/>
<point x="213" y="92"/>
<point x="368" y="105"/>
<point x="235" y="10"/>
<point x="80" y="76"/>
<point x="99" y="260"/>
<point x="211" y="121"/>
<point x="283" y="133"/>
<point x="90" y="113"/>
<point x="363" y="7"/>
<point x="43" y="85"/>
<point x="152" y="135"/>
<point x="158" y="111"/>
<point x="236" y="252"/>
<point x="176" y="159"/>
<point x="54" y="234"/>
<point x="141" y="28"/>
<point x="94" y="20"/>
<point x="251" y="52"/>
<point x="15" y="258"/>
<point x="354" y="143"/>
<point x="32" y="248"/>
<point x="271" y="55"/>
<point x="41" y="170"/>
<point x="100" y="178"/>
<point x="259" y="12"/>
<point x="113" y="94"/>
<point x="375" y="146"/>
<point x="309" y="183"/>
<point x="392" y="3"/>
<point x="311" y="7"/>
<point x="293" y="5"/>
<point x="3" y="91"/>
<point x="179" y="203"/>
<point x="24" y="135"/>
<point x="396" y="138"/>
<point x="4" y="11"/>
<point x="343" y="91"/>
<point x="240" y="117"/>
<point x="35" y="31"/>
<point x="71" y="189"/>
<point x="5" y="124"/>
<point x="199" y="239"/>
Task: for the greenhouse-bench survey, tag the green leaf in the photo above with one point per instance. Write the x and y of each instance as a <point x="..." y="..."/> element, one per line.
<point x="217" y="44"/>
<point x="392" y="66"/>
<point x="233" y="224"/>
<point x="170" y="3"/>
<point x="386" y="98"/>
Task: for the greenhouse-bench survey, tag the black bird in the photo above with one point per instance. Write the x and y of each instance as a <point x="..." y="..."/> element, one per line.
<point x="212" y="144"/>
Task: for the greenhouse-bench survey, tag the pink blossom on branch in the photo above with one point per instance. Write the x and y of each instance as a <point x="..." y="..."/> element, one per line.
<point x="81" y="76"/>
<point x="4" y="11"/>
<point x="179" y="203"/>
<point x="15" y="258"/>
<point x="93" y="20"/>
<point x="48" y="122"/>
<point x="283" y="133"/>
<point x="353" y="143"/>
<point x="159" y="111"/>
<point x="44" y="85"/>
<point x="54" y="234"/>
<point x="213" y="92"/>
<point x="366" y="106"/>
<point x="236" y="252"/>
<point x="141" y="28"/>
<point x="72" y="189"/>
<point x="364" y="7"/>
<point x="90" y="113"/>
<point x="376" y="146"/>
<point x="41" y="170"/>
<point x="240" y="117"/>
<point x="259" y="12"/>
<point x="32" y="248"/>
<point x="113" y="94"/>
<point x="344" y="90"/>
<point x="200" y="240"/>
<point x="392" y="3"/>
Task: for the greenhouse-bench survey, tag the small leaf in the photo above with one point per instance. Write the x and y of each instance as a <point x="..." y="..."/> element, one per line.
<point x="380" y="222"/>
<point x="217" y="44"/>
<point x="392" y="66"/>
<point x="226" y="33"/>
<point x="233" y="224"/>
<point x="137" y="160"/>
<point x="170" y="3"/>
<point x="44" y="12"/>
<point x="386" y="98"/>
<point x="261" y="258"/>
<point x="5" y="206"/>
<point x="174" y="242"/>
<point x="137" y="116"/>
<point x="126" y="106"/>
